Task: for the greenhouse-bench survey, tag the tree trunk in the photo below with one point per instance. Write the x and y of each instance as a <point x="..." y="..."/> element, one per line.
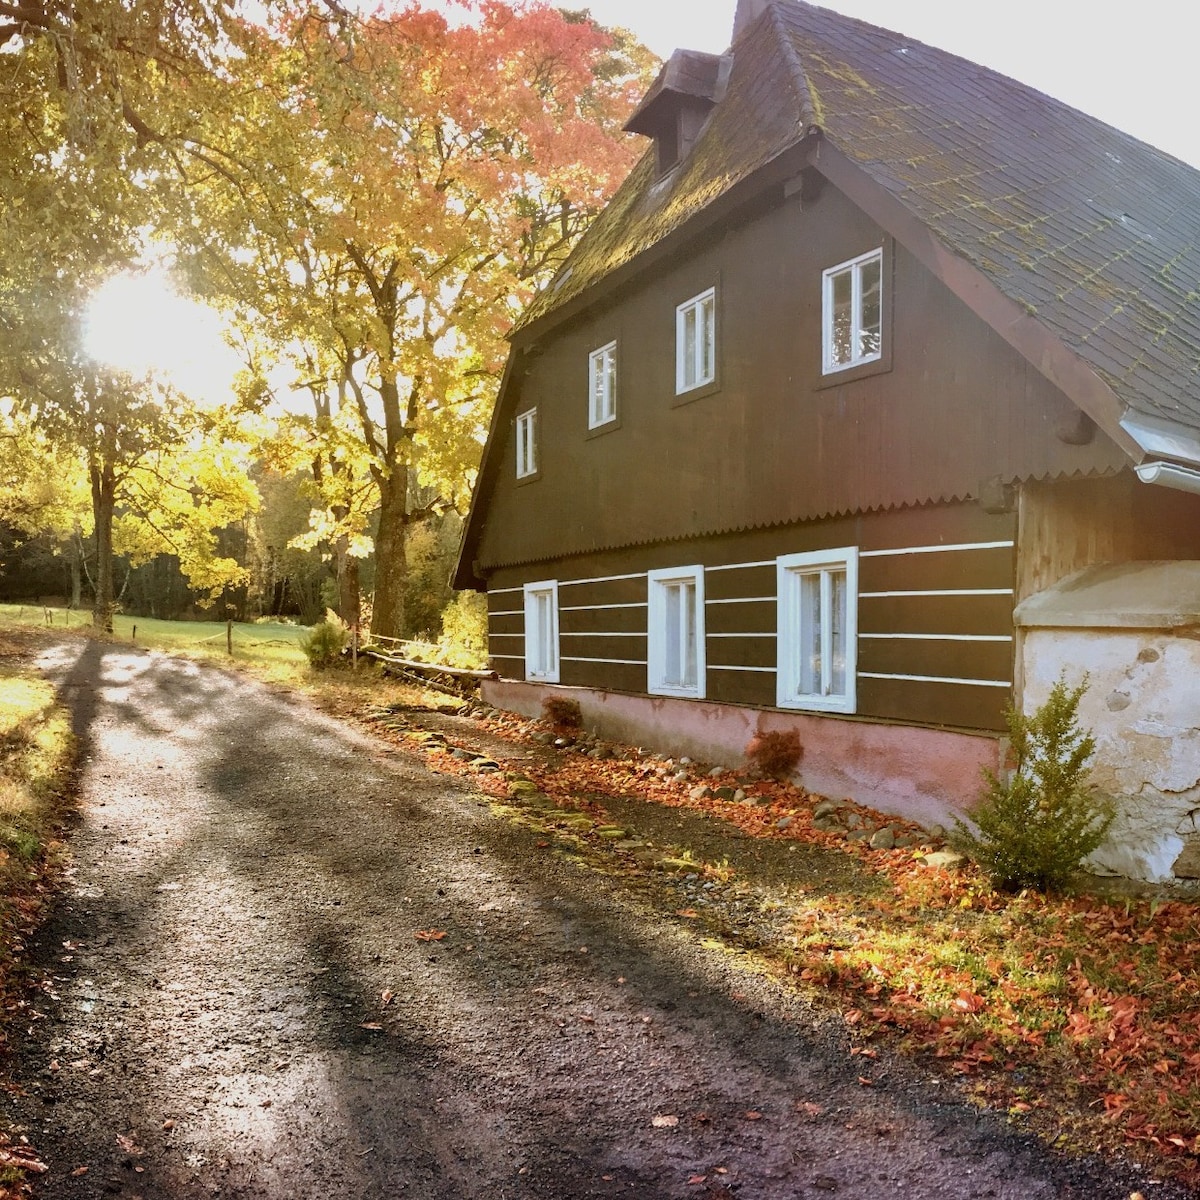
<point x="349" y="602"/>
<point x="391" y="563"/>
<point x="104" y="490"/>
<point x="75" y="560"/>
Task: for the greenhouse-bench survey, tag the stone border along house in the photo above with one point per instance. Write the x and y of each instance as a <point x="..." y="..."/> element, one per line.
<point x="868" y="405"/>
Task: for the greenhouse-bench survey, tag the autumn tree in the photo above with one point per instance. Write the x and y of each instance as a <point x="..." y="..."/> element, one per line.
<point x="380" y="195"/>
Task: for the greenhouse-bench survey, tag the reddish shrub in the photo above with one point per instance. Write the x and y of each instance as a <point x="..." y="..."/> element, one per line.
<point x="775" y="752"/>
<point x="564" y="715"/>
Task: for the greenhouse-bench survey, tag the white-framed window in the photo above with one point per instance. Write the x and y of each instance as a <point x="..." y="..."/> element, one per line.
<point x="526" y="429"/>
<point x="675" y="625"/>
<point x="602" y="386"/>
<point x="696" y="342"/>
<point x="817" y="596"/>
<point x="852" y="312"/>
<point x="541" y="631"/>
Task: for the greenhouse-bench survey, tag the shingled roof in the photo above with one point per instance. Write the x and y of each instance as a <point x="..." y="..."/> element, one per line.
<point x="1079" y="243"/>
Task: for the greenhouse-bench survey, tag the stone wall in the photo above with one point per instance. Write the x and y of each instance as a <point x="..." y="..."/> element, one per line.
<point x="1134" y="632"/>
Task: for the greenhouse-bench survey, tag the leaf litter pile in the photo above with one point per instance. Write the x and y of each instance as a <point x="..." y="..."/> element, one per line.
<point x="1078" y="1015"/>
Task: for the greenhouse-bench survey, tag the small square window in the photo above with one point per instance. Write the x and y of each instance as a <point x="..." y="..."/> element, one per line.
<point x="602" y="386"/>
<point x="526" y="437"/>
<point x="852" y="312"/>
<point x="541" y="631"/>
<point x="817" y="598"/>
<point x="676" y="632"/>
<point x="696" y="342"/>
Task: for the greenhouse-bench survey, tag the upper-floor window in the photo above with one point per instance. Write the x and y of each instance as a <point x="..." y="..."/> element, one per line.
<point x="526" y="430"/>
<point x="602" y="386"/>
<point x="696" y="342"/>
<point x="817" y="598"/>
<point x="675" y="616"/>
<point x="852" y="312"/>
<point x="541" y="631"/>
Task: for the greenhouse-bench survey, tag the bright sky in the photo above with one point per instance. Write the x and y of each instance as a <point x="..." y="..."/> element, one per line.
<point x="1132" y="68"/>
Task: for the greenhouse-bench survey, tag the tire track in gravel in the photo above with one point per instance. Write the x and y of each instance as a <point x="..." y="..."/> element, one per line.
<point x="249" y="878"/>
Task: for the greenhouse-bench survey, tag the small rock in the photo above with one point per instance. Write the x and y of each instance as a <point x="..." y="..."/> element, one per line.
<point x="684" y="761"/>
<point x="883" y="839"/>
<point x="716" y="773"/>
<point x="700" y="792"/>
<point x="936" y="831"/>
<point x="739" y="796"/>
<point x="726" y="793"/>
<point x="825" y="809"/>
<point x="679" y="777"/>
<point x="853" y="820"/>
<point x="946" y="860"/>
<point x="562" y="743"/>
<point x="784" y="822"/>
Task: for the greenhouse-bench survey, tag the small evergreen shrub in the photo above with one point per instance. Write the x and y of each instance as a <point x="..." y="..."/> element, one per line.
<point x="775" y="752"/>
<point x="324" y="643"/>
<point x="1033" y="829"/>
<point x="564" y="715"/>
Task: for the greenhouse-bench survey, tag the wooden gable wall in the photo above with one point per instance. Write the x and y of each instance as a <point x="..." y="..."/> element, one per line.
<point x="773" y="442"/>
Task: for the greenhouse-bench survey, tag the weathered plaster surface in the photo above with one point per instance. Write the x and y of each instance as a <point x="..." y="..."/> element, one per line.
<point x="1143" y="707"/>
<point x="922" y="774"/>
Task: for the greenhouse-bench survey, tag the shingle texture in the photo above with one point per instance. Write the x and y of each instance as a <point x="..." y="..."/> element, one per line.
<point x="1094" y="233"/>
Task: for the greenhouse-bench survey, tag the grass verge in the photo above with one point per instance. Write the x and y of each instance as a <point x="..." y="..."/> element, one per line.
<point x="37" y="759"/>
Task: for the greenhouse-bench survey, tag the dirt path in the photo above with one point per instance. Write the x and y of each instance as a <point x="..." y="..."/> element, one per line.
<point x="250" y="878"/>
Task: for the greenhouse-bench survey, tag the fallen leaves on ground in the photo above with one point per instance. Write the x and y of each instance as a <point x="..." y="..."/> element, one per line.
<point x="429" y="935"/>
<point x="1055" y="1008"/>
<point x="664" y="1122"/>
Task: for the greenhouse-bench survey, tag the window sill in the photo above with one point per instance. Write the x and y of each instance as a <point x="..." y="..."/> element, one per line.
<point x="595" y="431"/>
<point x="824" y="704"/>
<point x="877" y="366"/>
<point x="676" y="693"/>
<point x="532" y="477"/>
<point x="697" y="393"/>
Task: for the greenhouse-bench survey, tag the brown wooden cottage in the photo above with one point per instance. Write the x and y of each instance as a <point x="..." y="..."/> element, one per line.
<point x="853" y="413"/>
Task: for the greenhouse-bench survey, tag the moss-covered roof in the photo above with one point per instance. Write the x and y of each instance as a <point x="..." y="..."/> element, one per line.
<point x="1095" y="234"/>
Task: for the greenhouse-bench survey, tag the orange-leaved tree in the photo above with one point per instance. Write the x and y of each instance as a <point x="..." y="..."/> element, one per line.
<point x="379" y="197"/>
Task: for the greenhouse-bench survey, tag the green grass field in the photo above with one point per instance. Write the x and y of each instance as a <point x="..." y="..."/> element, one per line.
<point x="271" y="647"/>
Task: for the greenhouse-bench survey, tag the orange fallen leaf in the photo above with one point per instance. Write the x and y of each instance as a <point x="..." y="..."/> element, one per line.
<point x="808" y="1108"/>
<point x="752" y="1115"/>
<point x="129" y="1145"/>
<point x="370" y="1025"/>
<point x="697" y="1178"/>
<point x="429" y="935"/>
<point x="664" y="1122"/>
<point x="686" y="912"/>
<point x="387" y="996"/>
<point x="75" y="1174"/>
<point x="862" y="1079"/>
<point x="168" y="1125"/>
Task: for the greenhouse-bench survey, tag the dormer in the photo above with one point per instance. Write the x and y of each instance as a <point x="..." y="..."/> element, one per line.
<point x="678" y="103"/>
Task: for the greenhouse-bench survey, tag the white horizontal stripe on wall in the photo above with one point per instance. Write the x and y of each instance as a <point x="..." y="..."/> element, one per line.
<point x="602" y="579"/>
<point x="599" y="607"/>
<point x="503" y="591"/>
<point x="939" y="592"/>
<point x="936" y="549"/>
<point x="723" y="667"/>
<point x="508" y="612"/>
<point x="742" y="635"/>
<point x="623" y="662"/>
<point x="1001" y="683"/>
<point x="612" y="633"/>
<point x="744" y="600"/>
<point x="940" y="637"/>
<point x="767" y="562"/>
<point x="507" y="635"/>
<point x="514" y="657"/>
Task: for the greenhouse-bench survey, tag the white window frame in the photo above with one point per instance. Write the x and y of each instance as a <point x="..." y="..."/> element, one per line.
<point x="660" y="583"/>
<point x="526" y="439"/>
<point x="854" y="267"/>
<point x="691" y="371"/>
<point x="790" y="569"/>
<point x="541" y="631"/>
<point x="602" y="386"/>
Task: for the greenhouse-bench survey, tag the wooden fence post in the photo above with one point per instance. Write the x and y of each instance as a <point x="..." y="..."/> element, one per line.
<point x="229" y="637"/>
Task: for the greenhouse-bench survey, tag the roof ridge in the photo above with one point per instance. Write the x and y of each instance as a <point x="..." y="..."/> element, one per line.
<point x="809" y="105"/>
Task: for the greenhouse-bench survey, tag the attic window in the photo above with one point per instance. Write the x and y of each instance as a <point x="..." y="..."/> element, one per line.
<point x="852" y="312"/>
